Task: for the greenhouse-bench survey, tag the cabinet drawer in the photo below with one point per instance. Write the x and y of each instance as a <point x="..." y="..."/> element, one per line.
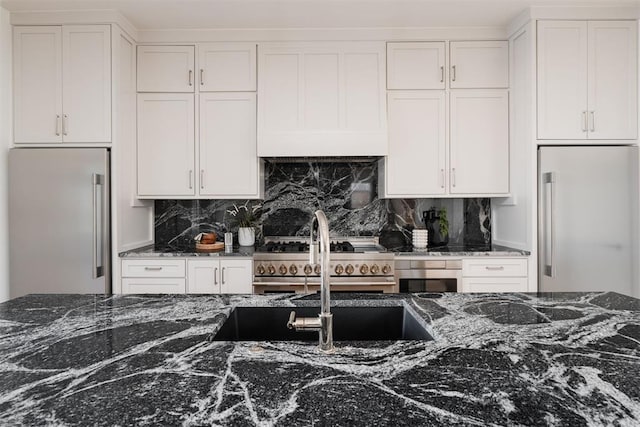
<point x="494" y="268"/>
<point x="493" y="284"/>
<point x="153" y="286"/>
<point x="154" y="268"/>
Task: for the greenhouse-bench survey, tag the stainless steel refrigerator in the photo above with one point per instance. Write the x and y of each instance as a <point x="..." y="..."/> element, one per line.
<point x="59" y="230"/>
<point x="588" y="219"/>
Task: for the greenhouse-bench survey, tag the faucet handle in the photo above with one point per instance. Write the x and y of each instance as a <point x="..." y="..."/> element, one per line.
<point x="313" y="253"/>
<point x="292" y="320"/>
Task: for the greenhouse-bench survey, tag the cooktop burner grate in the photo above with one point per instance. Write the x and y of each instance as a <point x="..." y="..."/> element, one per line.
<point x="288" y="247"/>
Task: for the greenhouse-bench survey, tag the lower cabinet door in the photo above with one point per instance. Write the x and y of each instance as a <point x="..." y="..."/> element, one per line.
<point x="236" y="276"/>
<point x="153" y="285"/>
<point x="494" y="284"/>
<point x="203" y="277"/>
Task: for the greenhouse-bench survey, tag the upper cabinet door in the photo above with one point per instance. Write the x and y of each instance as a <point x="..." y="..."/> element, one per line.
<point x="166" y="68"/>
<point x="418" y="65"/>
<point x="166" y="145"/>
<point x="416" y="164"/>
<point x="479" y="65"/>
<point x="479" y="142"/>
<point x="227" y="67"/>
<point x="37" y="84"/>
<point x="562" y="80"/>
<point x="86" y="55"/>
<point x="229" y="166"/>
<point x="613" y="108"/>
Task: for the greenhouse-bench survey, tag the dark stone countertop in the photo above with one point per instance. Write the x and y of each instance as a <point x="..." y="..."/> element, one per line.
<point x="500" y="359"/>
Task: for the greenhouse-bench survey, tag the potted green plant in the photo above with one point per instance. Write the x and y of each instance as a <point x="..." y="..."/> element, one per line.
<point x="246" y="219"/>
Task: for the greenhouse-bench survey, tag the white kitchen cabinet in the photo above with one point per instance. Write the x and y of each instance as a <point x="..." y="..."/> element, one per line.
<point x="322" y="99"/>
<point x="488" y="274"/>
<point x="229" y="166"/>
<point x="62" y="84"/>
<point x="153" y="276"/>
<point x="166" y="69"/>
<point x="227" y="67"/>
<point x="166" y="145"/>
<point x="416" y="65"/>
<point x="416" y="164"/>
<point x="479" y="64"/>
<point x="479" y="142"/>
<point x="226" y="276"/>
<point x="587" y="80"/>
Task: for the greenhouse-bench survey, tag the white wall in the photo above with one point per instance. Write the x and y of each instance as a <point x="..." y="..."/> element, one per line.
<point x="5" y="138"/>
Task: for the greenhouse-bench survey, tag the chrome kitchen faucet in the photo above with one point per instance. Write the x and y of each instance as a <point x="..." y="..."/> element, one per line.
<point x="324" y="322"/>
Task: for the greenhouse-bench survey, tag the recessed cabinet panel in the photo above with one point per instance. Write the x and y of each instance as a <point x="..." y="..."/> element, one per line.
<point x="203" y="277"/>
<point x="166" y="69"/>
<point x="227" y="67"/>
<point x="562" y="79"/>
<point x="612" y="56"/>
<point x="166" y="145"/>
<point x="479" y="65"/>
<point x="321" y="91"/>
<point x="236" y="276"/>
<point x="86" y="51"/>
<point x="363" y="73"/>
<point x="418" y="65"/>
<point x="479" y="141"/>
<point x="229" y="166"/>
<point x="279" y="83"/>
<point x="415" y="166"/>
<point x="37" y="84"/>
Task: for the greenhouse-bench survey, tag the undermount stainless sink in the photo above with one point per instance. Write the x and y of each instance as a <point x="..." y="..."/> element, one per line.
<point x="349" y="324"/>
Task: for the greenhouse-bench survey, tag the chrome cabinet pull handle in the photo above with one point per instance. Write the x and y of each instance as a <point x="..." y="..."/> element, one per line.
<point x="453" y="177"/>
<point x="441" y="74"/>
<point x="57" y="124"/>
<point x="223" y="268"/>
<point x="498" y="268"/>
<point x="65" y="124"/>
<point x="190" y="77"/>
<point x="202" y="179"/>
<point x="215" y="276"/>
<point x="201" y="77"/>
<point x="593" y="121"/>
<point x="190" y="179"/>
<point x="153" y="268"/>
<point x="453" y="73"/>
<point x="584" y="121"/>
<point x="441" y="178"/>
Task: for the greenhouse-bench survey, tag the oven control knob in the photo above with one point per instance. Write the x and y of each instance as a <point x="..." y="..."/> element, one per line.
<point x="293" y="269"/>
<point x="283" y="269"/>
<point x="386" y="269"/>
<point x="260" y="269"/>
<point x="271" y="269"/>
<point x="339" y="269"/>
<point x="349" y="269"/>
<point x="375" y="269"/>
<point x="364" y="269"/>
<point x="316" y="269"/>
<point x="307" y="269"/>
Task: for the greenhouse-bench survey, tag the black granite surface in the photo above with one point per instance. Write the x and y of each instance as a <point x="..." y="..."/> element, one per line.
<point x="346" y="191"/>
<point x="496" y="359"/>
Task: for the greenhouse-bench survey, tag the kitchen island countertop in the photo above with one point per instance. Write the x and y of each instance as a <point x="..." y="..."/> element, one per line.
<point x="504" y="359"/>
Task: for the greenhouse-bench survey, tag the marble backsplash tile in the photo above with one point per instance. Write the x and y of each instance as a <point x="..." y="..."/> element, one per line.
<point x="347" y="192"/>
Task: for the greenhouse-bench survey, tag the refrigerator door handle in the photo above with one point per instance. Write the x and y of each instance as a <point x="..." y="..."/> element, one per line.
<point x="97" y="181"/>
<point x="549" y="178"/>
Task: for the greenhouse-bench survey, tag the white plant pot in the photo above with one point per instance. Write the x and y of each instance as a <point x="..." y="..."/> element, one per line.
<point x="246" y="236"/>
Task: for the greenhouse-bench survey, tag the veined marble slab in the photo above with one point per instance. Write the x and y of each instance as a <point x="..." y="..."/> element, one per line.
<point x="497" y="359"/>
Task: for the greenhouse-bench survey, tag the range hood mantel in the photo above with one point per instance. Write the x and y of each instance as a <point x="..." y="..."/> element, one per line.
<point x="323" y="159"/>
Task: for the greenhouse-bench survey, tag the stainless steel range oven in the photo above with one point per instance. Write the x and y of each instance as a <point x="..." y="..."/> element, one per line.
<point x="357" y="265"/>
